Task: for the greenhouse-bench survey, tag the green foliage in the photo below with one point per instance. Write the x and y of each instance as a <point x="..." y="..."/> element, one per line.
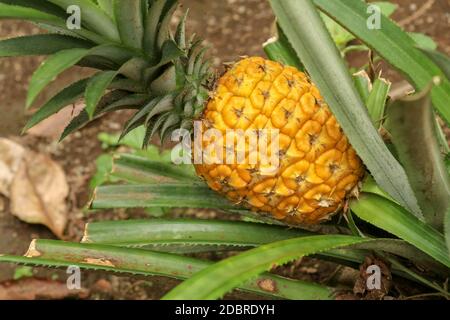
<point x="23" y="272"/>
<point x="104" y="164"/>
<point x="413" y="132"/>
<point x="310" y="39"/>
<point x="376" y="101"/>
<point x="147" y="263"/>
<point x="392" y="44"/>
<point x="396" y="220"/>
<point x="213" y="282"/>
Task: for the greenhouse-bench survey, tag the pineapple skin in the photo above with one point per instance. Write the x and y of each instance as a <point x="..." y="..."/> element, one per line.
<point x="317" y="169"/>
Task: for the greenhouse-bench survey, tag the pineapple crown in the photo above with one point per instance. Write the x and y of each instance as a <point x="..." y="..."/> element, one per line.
<point x="142" y="65"/>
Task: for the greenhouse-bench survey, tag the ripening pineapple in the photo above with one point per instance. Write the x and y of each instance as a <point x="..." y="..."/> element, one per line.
<point x="164" y="77"/>
<point x="317" y="166"/>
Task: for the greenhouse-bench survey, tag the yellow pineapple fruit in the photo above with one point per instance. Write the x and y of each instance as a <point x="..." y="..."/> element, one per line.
<point x="317" y="165"/>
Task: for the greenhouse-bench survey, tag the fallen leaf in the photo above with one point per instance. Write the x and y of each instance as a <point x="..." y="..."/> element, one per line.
<point x="38" y="192"/>
<point x="35" y="289"/>
<point x="11" y="156"/>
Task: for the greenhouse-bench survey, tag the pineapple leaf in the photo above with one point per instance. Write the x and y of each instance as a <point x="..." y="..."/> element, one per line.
<point x="48" y="21"/>
<point x="144" y="9"/>
<point x="107" y="6"/>
<point x="393" y="218"/>
<point x="308" y="35"/>
<point x="216" y="280"/>
<point x="370" y="186"/>
<point x="62" y="99"/>
<point x="159" y="195"/>
<point x="170" y="52"/>
<point x="116" y="53"/>
<point x="96" y="88"/>
<point x="83" y="118"/>
<point x="132" y="69"/>
<point x="43" y="6"/>
<point x="141" y="170"/>
<point x="423" y="41"/>
<point x="411" y="123"/>
<point x="442" y="60"/>
<point x="52" y="67"/>
<point x="394" y="45"/>
<point x="164" y="27"/>
<point x="151" y="27"/>
<point x="187" y="231"/>
<point x="170" y="234"/>
<point x="376" y="102"/>
<point x="132" y="101"/>
<point x="43" y="44"/>
<point x="130" y="22"/>
<point x="93" y="16"/>
<point x="447" y="229"/>
<point x="180" y="34"/>
<point x="25" y="13"/>
<point x="138" y="118"/>
<point x="279" y="49"/>
<point x="363" y="84"/>
<point x="147" y="263"/>
<point x="127" y="85"/>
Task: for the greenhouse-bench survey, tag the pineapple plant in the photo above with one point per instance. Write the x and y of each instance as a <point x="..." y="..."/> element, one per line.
<point x="326" y="141"/>
<point x="317" y="166"/>
<point x="165" y="78"/>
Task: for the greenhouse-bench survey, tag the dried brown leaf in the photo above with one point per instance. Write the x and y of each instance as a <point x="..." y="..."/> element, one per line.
<point x="11" y="156"/>
<point x="39" y="191"/>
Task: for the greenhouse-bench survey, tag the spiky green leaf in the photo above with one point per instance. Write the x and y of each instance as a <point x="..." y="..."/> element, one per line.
<point x="43" y="44"/>
<point x="95" y="90"/>
<point x="130" y="22"/>
<point x="213" y="282"/>
<point x="147" y="263"/>
<point x="376" y="102"/>
<point x="413" y="132"/>
<point x="310" y="39"/>
<point x="393" y="218"/>
<point x="51" y="68"/>
<point x="92" y="16"/>
<point x="158" y="195"/>
<point x="393" y="44"/>
<point x="62" y="99"/>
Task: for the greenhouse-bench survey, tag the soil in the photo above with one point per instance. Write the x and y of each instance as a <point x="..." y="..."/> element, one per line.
<point x="232" y="28"/>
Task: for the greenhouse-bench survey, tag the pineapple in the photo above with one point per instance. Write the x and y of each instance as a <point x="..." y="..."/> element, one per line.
<point x="317" y="166"/>
<point x="144" y="67"/>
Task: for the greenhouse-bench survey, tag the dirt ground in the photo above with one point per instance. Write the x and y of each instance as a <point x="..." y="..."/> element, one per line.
<point x="232" y="28"/>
